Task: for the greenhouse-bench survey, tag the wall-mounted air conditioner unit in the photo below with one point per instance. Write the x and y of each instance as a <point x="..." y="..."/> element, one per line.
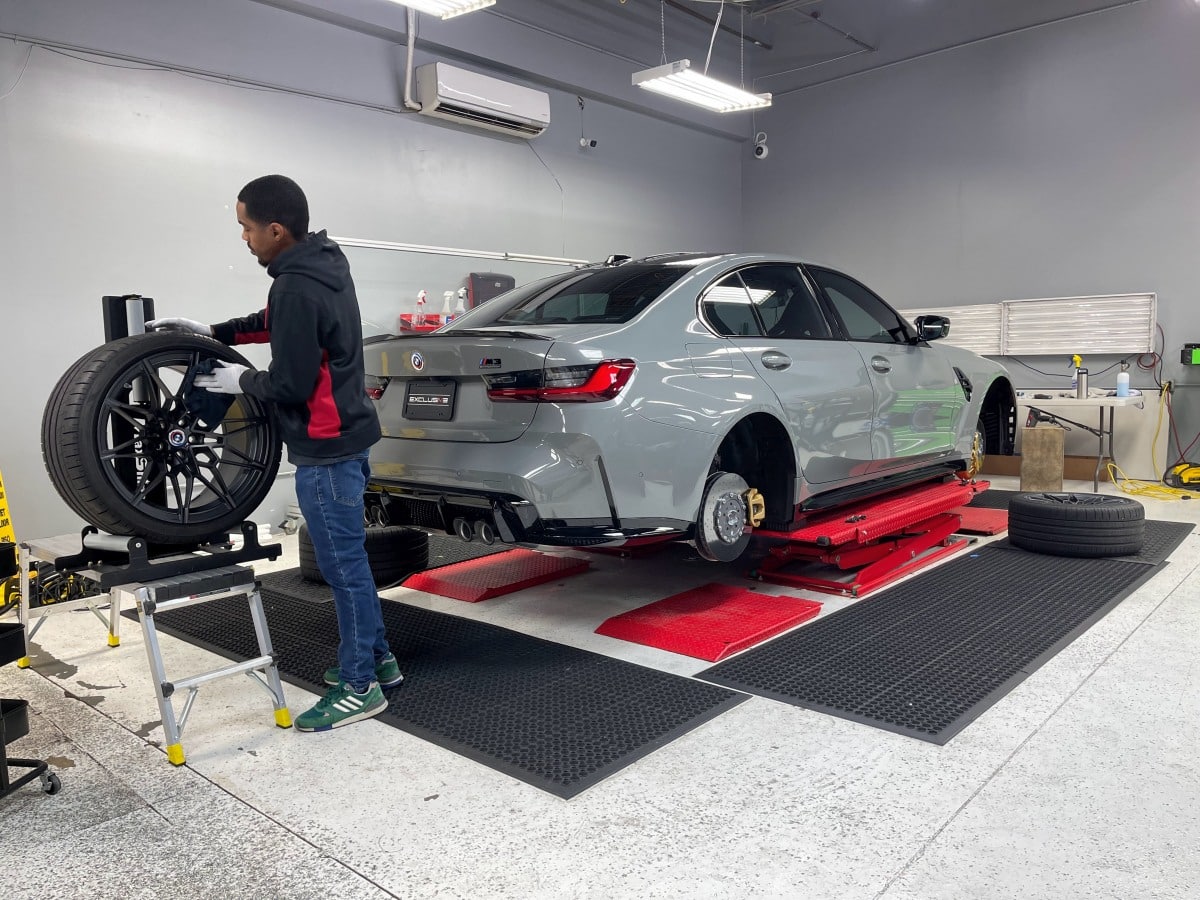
<point x="473" y="99"/>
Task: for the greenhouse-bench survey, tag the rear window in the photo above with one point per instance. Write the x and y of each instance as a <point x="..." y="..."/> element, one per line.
<point x="606" y="296"/>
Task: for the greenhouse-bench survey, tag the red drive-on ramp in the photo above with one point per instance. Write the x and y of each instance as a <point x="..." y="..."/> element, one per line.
<point x="494" y="575"/>
<point x="710" y="622"/>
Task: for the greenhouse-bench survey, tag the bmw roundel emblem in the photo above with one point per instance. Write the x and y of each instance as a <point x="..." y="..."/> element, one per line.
<point x="418" y="361"/>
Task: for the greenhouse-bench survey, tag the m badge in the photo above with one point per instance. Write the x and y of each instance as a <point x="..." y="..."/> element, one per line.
<point x="489" y="362"/>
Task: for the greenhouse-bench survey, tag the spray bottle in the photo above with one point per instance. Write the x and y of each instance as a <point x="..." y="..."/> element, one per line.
<point x="419" y="316"/>
<point x="1079" y="381"/>
<point x="1123" y="380"/>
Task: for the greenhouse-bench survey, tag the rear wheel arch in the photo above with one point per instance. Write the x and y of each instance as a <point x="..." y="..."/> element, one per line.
<point x="998" y="418"/>
<point x="759" y="449"/>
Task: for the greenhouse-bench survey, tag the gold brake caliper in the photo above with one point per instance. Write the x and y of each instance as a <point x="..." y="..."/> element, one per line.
<point x="756" y="507"/>
<point x="976" y="462"/>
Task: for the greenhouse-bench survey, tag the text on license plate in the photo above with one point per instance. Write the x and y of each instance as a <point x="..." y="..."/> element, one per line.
<point x="430" y="399"/>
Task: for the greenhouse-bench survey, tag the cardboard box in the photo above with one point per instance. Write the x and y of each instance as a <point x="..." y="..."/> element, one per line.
<point x="1075" y="468"/>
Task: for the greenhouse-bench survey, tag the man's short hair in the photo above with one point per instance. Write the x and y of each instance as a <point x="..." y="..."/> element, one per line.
<point x="276" y="198"/>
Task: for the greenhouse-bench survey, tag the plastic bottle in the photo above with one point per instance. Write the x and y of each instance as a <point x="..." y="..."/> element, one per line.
<point x="419" y="316"/>
<point x="1123" y="382"/>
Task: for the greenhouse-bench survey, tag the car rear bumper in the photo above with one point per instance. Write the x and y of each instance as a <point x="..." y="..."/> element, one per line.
<point x="546" y="488"/>
<point x="510" y="519"/>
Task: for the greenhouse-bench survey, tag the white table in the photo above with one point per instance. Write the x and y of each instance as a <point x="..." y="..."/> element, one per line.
<point x="1039" y="400"/>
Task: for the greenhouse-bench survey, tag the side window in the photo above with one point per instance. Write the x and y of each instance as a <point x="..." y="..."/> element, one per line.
<point x="729" y="309"/>
<point x="866" y="316"/>
<point x="784" y="302"/>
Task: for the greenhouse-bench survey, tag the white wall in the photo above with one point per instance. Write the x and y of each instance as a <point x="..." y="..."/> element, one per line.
<point x="1060" y="161"/>
<point x="117" y="179"/>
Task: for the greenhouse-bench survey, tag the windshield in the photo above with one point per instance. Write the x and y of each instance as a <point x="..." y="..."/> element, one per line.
<point x="611" y="295"/>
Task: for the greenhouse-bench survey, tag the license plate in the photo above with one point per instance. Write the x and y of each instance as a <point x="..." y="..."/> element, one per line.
<point x="431" y="399"/>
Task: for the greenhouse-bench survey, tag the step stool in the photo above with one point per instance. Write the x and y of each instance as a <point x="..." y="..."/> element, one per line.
<point x="154" y="597"/>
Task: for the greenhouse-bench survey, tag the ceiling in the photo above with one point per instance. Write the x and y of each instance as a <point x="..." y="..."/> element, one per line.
<point x="787" y="45"/>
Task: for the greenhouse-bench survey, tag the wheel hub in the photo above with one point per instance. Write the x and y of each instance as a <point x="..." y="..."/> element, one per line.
<point x="729" y="517"/>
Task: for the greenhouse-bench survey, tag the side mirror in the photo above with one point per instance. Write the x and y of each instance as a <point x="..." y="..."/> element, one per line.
<point x="930" y="328"/>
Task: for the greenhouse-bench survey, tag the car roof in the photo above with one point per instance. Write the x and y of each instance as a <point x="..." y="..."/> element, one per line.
<point x="699" y="258"/>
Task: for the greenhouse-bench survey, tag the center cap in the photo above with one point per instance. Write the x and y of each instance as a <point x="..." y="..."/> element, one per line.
<point x="176" y="437"/>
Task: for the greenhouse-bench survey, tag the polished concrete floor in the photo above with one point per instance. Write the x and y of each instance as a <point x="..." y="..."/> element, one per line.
<point x="1082" y="783"/>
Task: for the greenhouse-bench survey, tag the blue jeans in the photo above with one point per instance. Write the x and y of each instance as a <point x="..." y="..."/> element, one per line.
<point x="331" y="500"/>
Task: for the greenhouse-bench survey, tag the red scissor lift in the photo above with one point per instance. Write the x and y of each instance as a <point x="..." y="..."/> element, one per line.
<point x="863" y="546"/>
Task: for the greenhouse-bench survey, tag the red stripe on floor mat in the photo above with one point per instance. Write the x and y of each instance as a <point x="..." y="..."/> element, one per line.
<point x="980" y="520"/>
<point x="710" y="622"/>
<point x="495" y="575"/>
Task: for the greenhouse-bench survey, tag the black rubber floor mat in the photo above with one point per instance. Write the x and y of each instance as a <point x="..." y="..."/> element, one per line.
<point x="993" y="499"/>
<point x="1161" y="540"/>
<point x="290" y="583"/>
<point x="927" y="657"/>
<point x="445" y="550"/>
<point x="553" y="716"/>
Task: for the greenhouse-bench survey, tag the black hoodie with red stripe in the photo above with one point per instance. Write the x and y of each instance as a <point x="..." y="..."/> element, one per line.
<point x="316" y="376"/>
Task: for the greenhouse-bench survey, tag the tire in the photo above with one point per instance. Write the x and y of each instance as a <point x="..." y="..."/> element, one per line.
<point x="143" y="465"/>
<point x="393" y="551"/>
<point x="1080" y="525"/>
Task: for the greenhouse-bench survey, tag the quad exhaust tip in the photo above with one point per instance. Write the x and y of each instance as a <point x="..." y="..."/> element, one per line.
<point x="464" y="530"/>
<point x="485" y="532"/>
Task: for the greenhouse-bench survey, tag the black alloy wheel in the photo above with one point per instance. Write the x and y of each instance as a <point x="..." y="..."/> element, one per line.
<point x="126" y="454"/>
<point x="1079" y="525"/>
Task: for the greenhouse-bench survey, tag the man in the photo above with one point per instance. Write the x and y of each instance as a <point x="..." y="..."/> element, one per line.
<point x="316" y="380"/>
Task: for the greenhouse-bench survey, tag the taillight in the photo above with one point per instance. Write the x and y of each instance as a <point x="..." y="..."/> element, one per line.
<point x="564" y="384"/>
<point x="376" y="386"/>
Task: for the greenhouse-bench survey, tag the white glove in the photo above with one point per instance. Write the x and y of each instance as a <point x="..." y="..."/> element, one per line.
<point x="223" y="380"/>
<point x="188" y="325"/>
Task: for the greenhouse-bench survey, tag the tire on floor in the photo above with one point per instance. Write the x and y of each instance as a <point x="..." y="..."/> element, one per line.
<point x="393" y="551"/>
<point x="1080" y="525"/>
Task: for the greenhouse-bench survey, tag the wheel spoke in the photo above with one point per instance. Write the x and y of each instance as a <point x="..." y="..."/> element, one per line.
<point x="120" y="450"/>
<point x="216" y="484"/>
<point x="128" y="411"/>
<point x="251" y="425"/>
<point x="148" y="484"/>
<point x="226" y="451"/>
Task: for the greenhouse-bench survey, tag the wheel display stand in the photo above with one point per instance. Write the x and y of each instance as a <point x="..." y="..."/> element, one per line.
<point x="866" y="545"/>
<point x="14" y="719"/>
<point x="157" y="580"/>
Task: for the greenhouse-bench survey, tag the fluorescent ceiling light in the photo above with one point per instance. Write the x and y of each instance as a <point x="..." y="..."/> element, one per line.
<point x="679" y="81"/>
<point x="447" y="9"/>
<point x="745" y="296"/>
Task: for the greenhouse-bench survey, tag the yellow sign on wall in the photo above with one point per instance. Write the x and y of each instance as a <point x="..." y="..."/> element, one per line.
<point x="6" y="528"/>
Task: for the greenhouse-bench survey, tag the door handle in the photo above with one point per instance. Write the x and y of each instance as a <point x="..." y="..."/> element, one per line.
<point x="880" y="364"/>
<point x="773" y="359"/>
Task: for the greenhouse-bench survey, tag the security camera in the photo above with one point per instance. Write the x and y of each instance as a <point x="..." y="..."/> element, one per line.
<point x="587" y="143"/>
<point x="760" y="145"/>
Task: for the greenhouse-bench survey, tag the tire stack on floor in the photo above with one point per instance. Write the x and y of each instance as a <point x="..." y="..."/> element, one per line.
<point x="1079" y="525"/>
<point x="395" y="552"/>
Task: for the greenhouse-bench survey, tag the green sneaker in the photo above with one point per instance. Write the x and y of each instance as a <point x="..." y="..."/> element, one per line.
<point x="387" y="673"/>
<point x="341" y="706"/>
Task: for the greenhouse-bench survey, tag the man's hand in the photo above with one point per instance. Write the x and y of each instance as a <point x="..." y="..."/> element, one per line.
<point x="224" y="379"/>
<point x="190" y="326"/>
